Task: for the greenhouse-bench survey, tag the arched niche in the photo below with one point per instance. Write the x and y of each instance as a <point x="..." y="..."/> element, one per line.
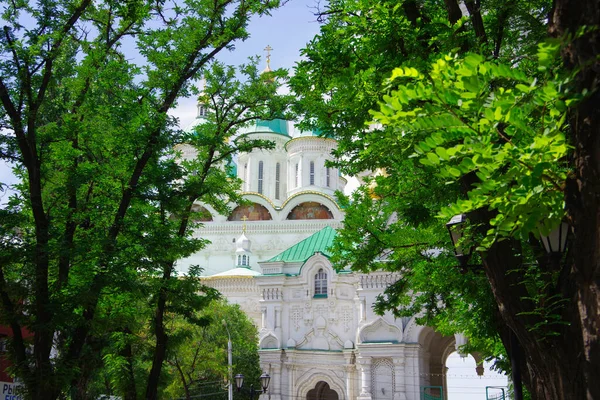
<point x="201" y="214"/>
<point x="380" y="331"/>
<point x="269" y="342"/>
<point x="253" y="212"/>
<point x="310" y="210"/>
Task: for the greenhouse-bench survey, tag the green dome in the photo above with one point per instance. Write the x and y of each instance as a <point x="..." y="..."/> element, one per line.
<point x="278" y="126"/>
<point x="319" y="133"/>
<point x="232" y="169"/>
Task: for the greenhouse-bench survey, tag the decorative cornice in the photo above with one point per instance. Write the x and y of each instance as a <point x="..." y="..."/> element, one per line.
<point x="377" y="280"/>
<point x="310" y="192"/>
<point x="223" y="278"/>
<point x="294" y="226"/>
<point x="232" y="284"/>
<point x="309" y="139"/>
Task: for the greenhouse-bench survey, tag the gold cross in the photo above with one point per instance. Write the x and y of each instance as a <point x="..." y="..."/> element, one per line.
<point x="268" y="50"/>
<point x="244" y="218"/>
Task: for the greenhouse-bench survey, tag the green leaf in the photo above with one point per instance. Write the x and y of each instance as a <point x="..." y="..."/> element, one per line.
<point x="433" y="158"/>
<point x="441" y="152"/>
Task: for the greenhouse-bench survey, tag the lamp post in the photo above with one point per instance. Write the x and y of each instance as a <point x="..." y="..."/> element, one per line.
<point x="229" y="362"/>
<point x="265" y="379"/>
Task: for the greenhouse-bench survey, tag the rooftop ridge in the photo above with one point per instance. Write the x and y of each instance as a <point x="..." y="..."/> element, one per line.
<point x="319" y="241"/>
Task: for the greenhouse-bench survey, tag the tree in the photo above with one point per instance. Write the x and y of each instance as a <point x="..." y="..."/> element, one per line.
<point x="488" y="135"/>
<point x="230" y="104"/>
<point x="87" y="129"/>
<point x="196" y="359"/>
<point x="197" y="362"/>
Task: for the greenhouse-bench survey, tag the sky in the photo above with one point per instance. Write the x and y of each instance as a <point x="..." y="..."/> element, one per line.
<point x="287" y="31"/>
<point x="465" y="384"/>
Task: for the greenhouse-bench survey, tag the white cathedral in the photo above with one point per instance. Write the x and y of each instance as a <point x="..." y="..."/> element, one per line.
<point x="319" y="336"/>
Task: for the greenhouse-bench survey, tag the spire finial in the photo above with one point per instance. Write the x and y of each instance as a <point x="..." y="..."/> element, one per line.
<point x="244" y="218"/>
<point x="268" y="50"/>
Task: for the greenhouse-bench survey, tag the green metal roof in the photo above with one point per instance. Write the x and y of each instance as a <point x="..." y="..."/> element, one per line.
<point x="272" y="126"/>
<point x="320" y="241"/>
<point x="232" y="169"/>
<point x="321" y="133"/>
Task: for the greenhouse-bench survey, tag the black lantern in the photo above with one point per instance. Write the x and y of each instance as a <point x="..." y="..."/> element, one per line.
<point x="264" y="381"/>
<point x="555" y="242"/>
<point x="455" y="227"/>
<point x="239" y="381"/>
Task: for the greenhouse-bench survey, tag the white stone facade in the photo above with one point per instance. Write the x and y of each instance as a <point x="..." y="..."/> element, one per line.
<point x="336" y="341"/>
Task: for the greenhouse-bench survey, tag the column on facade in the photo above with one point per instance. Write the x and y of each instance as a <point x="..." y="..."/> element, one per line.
<point x="350" y="379"/>
<point x="284" y="382"/>
<point x="351" y="375"/>
<point x="277" y="323"/>
<point x="277" y="372"/>
<point x="363" y="309"/>
<point x="399" y="371"/>
<point x="247" y="181"/>
<point x="412" y="371"/>
<point x="291" y="380"/>
<point x="301" y="171"/>
<point x="364" y="365"/>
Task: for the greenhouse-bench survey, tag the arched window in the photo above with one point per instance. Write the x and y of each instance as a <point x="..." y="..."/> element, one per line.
<point x="244" y="260"/>
<point x="277" y="175"/>
<point x="297" y="175"/>
<point x="327" y="177"/>
<point x="239" y="260"/>
<point x="260" y="177"/>
<point x="312" y="172"/>
<point x="202" y="111"/>
<point x="321" y="283"/>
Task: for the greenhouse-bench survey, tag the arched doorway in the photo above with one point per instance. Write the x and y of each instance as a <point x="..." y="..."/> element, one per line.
<point x="322" y="391"/>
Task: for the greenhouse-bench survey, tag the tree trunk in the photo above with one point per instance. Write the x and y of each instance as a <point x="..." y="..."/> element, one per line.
<point x="583" y="189"/>
<point x="553" y="362"/>
<point x="160" y="348"/>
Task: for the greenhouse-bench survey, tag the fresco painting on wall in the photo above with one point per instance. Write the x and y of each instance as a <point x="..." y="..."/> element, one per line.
<point x="310" y="210"/>
<point x="254" y="212"/>
<point x="201" y="214"/>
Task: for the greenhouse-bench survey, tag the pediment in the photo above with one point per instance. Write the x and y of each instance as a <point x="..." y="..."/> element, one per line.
<point x="380" y="331"/>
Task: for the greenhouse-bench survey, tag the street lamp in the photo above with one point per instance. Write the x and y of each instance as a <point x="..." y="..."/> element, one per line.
<point x="555" y="241"/>
<point x="229" y="363"/>
<point x="265" y="379"/>
<point x="456" y="226"/>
